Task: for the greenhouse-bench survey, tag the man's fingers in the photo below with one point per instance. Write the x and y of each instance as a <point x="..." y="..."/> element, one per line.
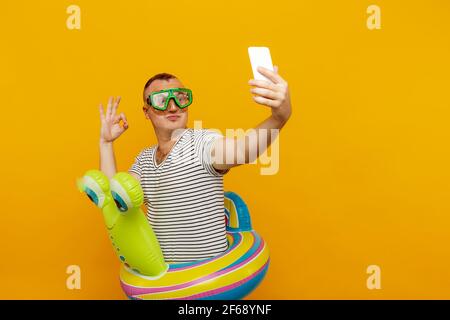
<point x="118" y="117"/>
<point x="102" y="115"/>
<point x="266" y="102"/>
<point x="113" y="108"/>
<point x="262" y="84"/>
<point x="270" y="94"/>
<point x="108" y="108"/>
<point x="116" y="105"/>
<point x="118" y="101"/>
<point x="271" y="75"/>
<point x="123" y="117"/>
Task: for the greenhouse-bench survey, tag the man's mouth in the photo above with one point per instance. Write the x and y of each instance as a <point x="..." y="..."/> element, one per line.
<point x="173" y="117"/>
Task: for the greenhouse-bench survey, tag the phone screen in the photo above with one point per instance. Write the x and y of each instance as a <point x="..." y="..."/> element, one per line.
<point x="260" y="56"/>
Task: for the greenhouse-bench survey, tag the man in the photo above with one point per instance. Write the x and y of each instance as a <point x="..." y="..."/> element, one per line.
<point x="182" y="176"/>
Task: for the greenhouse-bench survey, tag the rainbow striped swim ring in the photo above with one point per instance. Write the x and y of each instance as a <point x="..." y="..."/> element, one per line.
<point x="228" y="276"/>
<point x="144" y="274"/>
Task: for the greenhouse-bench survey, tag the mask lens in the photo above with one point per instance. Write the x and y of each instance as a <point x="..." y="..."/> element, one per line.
<point x="183" y="98"/>
<point x="159" y="99"/>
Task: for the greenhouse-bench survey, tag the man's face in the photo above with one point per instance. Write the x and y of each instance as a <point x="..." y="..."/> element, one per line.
<point x="173" y="117"/>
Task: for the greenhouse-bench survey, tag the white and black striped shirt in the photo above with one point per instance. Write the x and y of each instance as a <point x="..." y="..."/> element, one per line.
<point x="184" y="197"/>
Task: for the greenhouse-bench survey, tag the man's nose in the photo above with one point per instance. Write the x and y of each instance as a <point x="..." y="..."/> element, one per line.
<point x="172" y="106"/>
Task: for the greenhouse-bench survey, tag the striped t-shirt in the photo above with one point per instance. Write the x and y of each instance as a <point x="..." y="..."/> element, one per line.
<point x="184" y="197"/>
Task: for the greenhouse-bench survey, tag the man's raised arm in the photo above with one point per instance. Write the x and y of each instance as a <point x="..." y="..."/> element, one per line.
<point x="229" y="152"/>
<point x="110" y="131"/>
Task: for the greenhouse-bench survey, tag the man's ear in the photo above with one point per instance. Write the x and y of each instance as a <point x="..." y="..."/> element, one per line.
<point x="145" y="109"/>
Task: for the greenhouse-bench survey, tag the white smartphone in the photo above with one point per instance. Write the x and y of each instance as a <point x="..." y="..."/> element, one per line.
<point x="260" y="56"/>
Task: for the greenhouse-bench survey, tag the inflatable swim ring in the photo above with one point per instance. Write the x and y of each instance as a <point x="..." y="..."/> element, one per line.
<point x="144" y="274"/>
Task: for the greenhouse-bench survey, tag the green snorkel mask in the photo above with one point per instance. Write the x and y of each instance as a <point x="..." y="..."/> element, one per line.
<point x="160" y="99"/>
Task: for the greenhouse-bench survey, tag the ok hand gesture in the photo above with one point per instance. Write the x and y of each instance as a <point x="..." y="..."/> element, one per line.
<point x="110" y="122"/>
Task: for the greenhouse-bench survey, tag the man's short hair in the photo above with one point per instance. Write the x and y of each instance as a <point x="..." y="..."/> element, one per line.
<point x="159" y="76"/>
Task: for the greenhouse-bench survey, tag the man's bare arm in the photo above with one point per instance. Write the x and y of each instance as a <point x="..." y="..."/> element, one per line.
<point x="274" y="94"/>
<point x="107" y="159"/>
<point x="110" y="131"/>
<point x="136" y="176"/>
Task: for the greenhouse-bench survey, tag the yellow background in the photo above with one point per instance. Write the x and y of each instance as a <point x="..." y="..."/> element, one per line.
<point x="364" y="172"/>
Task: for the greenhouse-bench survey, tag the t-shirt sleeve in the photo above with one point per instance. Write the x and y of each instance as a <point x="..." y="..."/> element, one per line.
<point x="204" y="144"/>
<point x="136" y="167"/>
